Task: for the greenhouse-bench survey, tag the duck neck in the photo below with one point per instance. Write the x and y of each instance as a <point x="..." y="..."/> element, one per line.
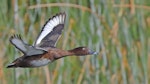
<point x="64" y="53"/>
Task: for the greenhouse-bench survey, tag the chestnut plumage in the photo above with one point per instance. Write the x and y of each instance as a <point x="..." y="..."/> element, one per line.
<point x="44" y="50"/>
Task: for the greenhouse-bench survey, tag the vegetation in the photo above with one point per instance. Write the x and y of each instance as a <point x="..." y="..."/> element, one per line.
<point x="119" y="30"/>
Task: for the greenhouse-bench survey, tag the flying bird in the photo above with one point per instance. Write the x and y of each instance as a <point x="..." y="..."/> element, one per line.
<point x="44" y="50"/>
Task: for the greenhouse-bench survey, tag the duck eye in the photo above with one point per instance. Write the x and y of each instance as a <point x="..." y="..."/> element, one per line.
<point x="83" y="48"/>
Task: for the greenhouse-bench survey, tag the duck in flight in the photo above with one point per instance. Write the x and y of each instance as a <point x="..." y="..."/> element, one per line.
<point x="44" y="49"/>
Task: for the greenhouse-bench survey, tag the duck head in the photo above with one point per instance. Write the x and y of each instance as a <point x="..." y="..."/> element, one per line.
<point x="82" y="51"/>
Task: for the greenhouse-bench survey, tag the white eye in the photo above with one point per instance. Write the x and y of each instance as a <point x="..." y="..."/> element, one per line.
<point x="83" y="48"/>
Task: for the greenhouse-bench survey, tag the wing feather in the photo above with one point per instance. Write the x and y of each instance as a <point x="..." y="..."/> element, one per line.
<point x="18" y="43"/>
<point x="51" y="31"/>
<point x="23" y="47"/>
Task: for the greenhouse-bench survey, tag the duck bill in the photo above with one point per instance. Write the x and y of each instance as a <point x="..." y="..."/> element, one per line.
<point x="12" y="65"/>
<point x="93" y="52"/>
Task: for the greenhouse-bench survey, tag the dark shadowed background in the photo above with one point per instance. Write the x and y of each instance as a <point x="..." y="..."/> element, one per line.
<point x="119" y="30"/>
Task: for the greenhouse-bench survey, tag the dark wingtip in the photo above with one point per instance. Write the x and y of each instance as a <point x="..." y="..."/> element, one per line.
<point x="12" y="65"/>
<point x="15" y="36"/>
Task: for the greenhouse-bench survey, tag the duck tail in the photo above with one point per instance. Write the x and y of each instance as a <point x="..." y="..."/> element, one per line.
<point x="12" y="65"/>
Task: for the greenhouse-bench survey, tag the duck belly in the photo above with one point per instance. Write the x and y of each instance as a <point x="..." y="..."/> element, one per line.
<point x="40" y="62"/>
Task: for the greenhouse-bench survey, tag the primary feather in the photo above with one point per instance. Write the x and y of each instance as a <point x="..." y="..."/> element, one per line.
<point x="23" y="47"/>
<point x="51" y="31"/>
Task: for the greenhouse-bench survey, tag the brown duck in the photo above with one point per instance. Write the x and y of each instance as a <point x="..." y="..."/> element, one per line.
<point x="44" y="51"/>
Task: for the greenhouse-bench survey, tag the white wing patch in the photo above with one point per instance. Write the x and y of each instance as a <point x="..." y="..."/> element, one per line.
<point x="50" y="25"/>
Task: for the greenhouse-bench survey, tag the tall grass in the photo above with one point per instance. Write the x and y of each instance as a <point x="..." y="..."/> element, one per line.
<point x="118" y="30"/>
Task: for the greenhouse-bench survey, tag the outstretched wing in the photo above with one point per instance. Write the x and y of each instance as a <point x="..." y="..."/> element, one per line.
<point x="23" y="47"/>
<point x="18" y="43"/>
<point x="51" y="31"/>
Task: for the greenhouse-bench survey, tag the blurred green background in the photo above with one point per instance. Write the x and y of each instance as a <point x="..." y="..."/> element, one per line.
<point x="119" y="30"/>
